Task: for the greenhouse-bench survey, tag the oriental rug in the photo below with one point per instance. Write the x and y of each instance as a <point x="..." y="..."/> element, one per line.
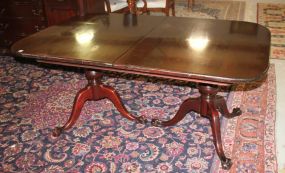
<point x="229" y="10"/>
<point x="273" y="17"/>
<point x="34" y="99"/>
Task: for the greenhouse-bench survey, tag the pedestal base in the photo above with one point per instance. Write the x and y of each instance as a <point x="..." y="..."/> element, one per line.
<point x="207" y="105"/>
<point x="94" y="91"/>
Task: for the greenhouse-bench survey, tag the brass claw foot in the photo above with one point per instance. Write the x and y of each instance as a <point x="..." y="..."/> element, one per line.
<point x="141" y="120"/>
<point x="57" y="131"/>
<point x="236" y="112"/>
<point x="156" y="122"/>
<point x="226" y="164"/>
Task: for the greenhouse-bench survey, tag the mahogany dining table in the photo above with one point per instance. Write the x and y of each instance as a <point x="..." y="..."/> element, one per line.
<point x="211" y="53"/>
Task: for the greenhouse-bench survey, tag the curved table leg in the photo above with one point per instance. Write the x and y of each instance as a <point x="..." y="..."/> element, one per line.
<point x="207" y="105"/>
<point x="191" y="104"/>
<point x="95" y="90"/>
<point x="82" y="96"/>
<point x="215" y="125"/>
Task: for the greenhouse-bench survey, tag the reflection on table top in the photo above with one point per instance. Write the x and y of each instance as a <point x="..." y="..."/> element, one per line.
<point x="204" y="49"/>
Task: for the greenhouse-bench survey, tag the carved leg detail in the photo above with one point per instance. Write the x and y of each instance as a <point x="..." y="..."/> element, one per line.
<point x="215" y="125"/>
<point x="221" y="104"/>
<point x="191" y="104"/>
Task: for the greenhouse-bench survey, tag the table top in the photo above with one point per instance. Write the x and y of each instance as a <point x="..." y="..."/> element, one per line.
<point x="215" y="51"/>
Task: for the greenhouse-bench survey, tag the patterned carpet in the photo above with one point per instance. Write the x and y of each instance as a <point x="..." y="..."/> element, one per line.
<point x="34" y="99"/>
<point x="273" y="17"/>
<point x="230" y="10"/>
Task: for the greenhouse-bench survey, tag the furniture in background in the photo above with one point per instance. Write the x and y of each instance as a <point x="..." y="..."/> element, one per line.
<point x="191" y="3"/>
<point x="208" y="52"/>
<point x="137" y="6"/>
<point x="141" y="6"/>
<point x="20" y="18"/>
<point x="57" y="11"/>
<point x="163" y="6"/>
<point x="91" y="7"/>
<point x="116" y="6"/>
<point x="125" y="6"/>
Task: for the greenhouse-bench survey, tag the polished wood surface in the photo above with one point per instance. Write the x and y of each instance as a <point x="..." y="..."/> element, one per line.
<point x="233" y="51"/>
<point x="113" y="35"/>
<point x="231" y="54"/>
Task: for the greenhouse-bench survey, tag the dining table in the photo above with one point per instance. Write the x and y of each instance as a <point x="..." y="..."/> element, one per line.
<point x="210" y="53"/>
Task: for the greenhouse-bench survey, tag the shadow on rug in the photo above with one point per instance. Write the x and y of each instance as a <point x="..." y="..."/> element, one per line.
<point x="33" y="100"/>
<point x="273" y="17"/>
